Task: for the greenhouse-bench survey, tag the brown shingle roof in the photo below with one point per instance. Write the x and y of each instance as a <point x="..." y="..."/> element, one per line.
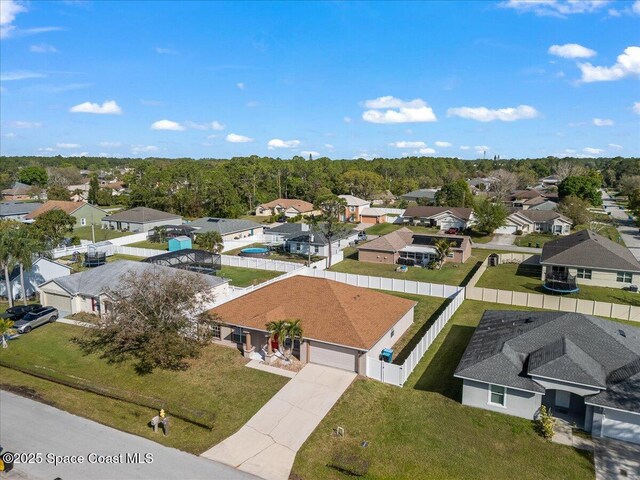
<point x="396" y="241"/>
<point x="299" y="205"/>
<point x="330" y="311"/>
<point x="426" y="212"/>
<point x="68" y="207"/>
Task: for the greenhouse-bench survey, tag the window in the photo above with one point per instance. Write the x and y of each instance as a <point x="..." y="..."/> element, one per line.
<point x="316" y="249"/>
<point x="238" y="335"/>
<point x="393" y="332"/>
<point x="298" y="247"/>
<point x="624" y="277"/>
<point x="352" y="209"/>
<point x="584" y="273"/>
<point x="215" y="330"/>
<point x="450" y="255"/>
<point x="83" y="221"/>
<point x="497" y="395"/>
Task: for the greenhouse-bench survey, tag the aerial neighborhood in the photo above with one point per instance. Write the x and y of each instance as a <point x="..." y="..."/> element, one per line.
<point x="521" y="300"/>
<point x="320" y="240"/>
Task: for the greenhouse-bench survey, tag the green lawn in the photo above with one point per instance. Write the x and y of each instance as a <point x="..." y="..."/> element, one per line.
<point x="510" y="277"/>
<point x="78" y="267"/>
<point x="217" y="387"/>
<point x="422" y="430"/>
<point x="243" y="277"/>
<point x="384" y="228"/>
<point x="534" y="239"/>
<point x="480" y="237"/>
<point x="150" y="244"/>
<point x="84" y="233"/>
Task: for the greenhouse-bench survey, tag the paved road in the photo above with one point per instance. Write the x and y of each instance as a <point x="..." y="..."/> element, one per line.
<point x="628" y="231"/>
<point x="29" y="426"/>
<point x="267" y="444"/>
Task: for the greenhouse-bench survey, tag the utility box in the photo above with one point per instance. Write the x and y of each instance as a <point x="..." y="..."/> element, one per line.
<point x="386" y="355"/>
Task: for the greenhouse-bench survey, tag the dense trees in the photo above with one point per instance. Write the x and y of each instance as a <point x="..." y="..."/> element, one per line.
<point x="586" y="187"/>
<point x="455" y="194"/>
<point x="52" y="226"/>
<point x="33" y="175"/>
<point x="489" y="215"/>
<point x="58" y="192"/>
<point x="576" y="209"/>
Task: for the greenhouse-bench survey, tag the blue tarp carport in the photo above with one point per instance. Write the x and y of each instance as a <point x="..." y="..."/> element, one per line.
<point x="179" y="243"/>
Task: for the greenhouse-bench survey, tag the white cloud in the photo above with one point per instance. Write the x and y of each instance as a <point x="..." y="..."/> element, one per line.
<point x="8" y="11"/>
<point x="636" y="108"/>
<point x="627" y="64"/>
<point x="592" y="151"/>
<point x="47" y="149"/>
<point x="571" y="50"/>
<point x="306" y="153"/>
<point x="67" y="145"/>
<point x="615" y="146"/>
<point x="167" y="125"/>
<point x="426" y="151"/>
<point x="443" y="144"/>
<point x="481" y="149"/>
<point x="555" y="8"/>
<point x="636" y="7"/>
<point x="217" y="126"/>
<point x="24" y="124"/>
<point x="465" y="147"/>
<point x="277" y="143"/>
<point x="240" y="85"/>
<point x="602" y="122"/>
<point x="138" y="149"/>
<point x="166" y="51"/>
<point x="235" y="138"/>
<point x="406" y="144"/>
<point x="110" y="144"/>
<point x="19" y="75"/>
<point x="109" y="107"/>
<point x="484" y="114"/>
<point x="390" y="109"/>
<point x="328" y="146"/>
<point x="253" y="104"/>
<point x="43" y="48"/>
<point x="347" y="120"/>
<point x="204" y="126"/>
<point x="9" y="135"/>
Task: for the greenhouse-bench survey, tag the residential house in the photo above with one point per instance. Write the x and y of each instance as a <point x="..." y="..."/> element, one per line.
<point x="289" y="207"/>
<point x="17" y="211"/>
<point x="42" y="270"/>
<point x="354" y="208"/>
<point x="442" y="217"/>
<point x="383" y="198"/>
<point x="117" y="188"/>
<point x="343" y="326"/>
<point x="426" y="195"/>
<point x="550" y="181"/>
<point x="140" y="219"/>
<point x="585" y="369"/>
<point x="19" y="191"/>
<point x="84" y="213"/>
<point x="80" y="191"/>
<point x="587" y="258"/>
<point x="229" y="228"/>
<point x="279" y="234"/>
<point x="540" y="203"/>
<point x="318" y="242"/>
<point x="410" y="248"/>
<point x="481" y="184"/>
<point x="518" y="198"/>
<point x="373" y="215"/>
<point x="536" y="221"/>
<point x="87" y="291"/>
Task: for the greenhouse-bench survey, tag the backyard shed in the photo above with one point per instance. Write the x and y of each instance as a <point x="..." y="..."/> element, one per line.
<point x="179" y="243"/>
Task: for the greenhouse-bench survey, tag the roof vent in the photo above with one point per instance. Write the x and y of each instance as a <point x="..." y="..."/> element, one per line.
<point x="622" y="333"/>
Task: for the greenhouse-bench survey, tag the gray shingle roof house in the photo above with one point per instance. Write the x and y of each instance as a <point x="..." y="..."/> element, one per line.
<point x="299" y="243"/>
<point x="443" y="217"/>
<point x="17" y="210"/>
<point x="84" y="291"/>
<point x="140" y="219"/>
<point x="427" y="193"/>
<point x="592" y="259"/>
<point x="584" y="368"/>
<point x="229" y="228"/>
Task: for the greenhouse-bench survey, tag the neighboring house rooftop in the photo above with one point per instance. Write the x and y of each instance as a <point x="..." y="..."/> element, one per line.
<point x="373" y="212"/>
<point x="396" y="241"/>
<point x="588" y="249"/>
<point x="287" y="228"/>
<point x="96" y="281"/>
<point x="225" y="226"/>
<point x="520" y="194"/>
<point x="18" y="188"/>
<point x="65" y="206"/>
<point x="319" y="238"/>
<point x="543" y="215"/>
<point x="354" y="201"/>
<point x="508" y="348"/>
<point x="422" y="193"/>
<point x="141" y="215"/>
<point x="18" y="208"/>
<point x="300" y="205"/>
<point x="330" y="311"/>
<point x="426" y="212"/>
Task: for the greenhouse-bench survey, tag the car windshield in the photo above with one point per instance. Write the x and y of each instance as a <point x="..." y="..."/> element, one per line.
<point x="31" y="316"/>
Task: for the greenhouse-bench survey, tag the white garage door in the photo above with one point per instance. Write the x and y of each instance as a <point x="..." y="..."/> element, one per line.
<point x="621" y="426"/>
<point x="332" y="356"/>
<point x="62" y="303"/>
<point x="506" y="229"/>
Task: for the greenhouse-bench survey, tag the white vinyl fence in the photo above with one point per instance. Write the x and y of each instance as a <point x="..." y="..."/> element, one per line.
<point x="260" y="263"/>
<point x="391" y="284"/>
<point x="398" y="374"/>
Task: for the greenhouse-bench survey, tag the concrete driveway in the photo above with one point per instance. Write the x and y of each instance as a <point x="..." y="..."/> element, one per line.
<point x="616" y="460"/>
<point x="31" y="427"/>
<point x="267" y="444"/>
<point x="503" y="239"/>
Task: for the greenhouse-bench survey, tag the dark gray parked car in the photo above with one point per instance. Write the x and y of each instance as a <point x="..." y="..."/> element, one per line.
<point x="35" y="319"/>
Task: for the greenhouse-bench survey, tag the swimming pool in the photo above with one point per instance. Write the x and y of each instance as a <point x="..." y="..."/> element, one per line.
<point x="254" y="252"/>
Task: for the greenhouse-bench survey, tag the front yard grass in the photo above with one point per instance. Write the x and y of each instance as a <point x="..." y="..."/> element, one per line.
<point x="84" y="233"/>
<point x="217" y="386"/>
<point x="150" y="244"/>
<point x="511" y="277"/>
<point x="243" y="277"/>
<point x="422" y="430"/>
<point x="535" y="240"/>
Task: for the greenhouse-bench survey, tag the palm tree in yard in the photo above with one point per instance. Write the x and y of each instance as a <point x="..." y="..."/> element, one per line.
<point x="24" y="249"/>
<point x="8" y="239"/>
<point x="443" y="249"/>
<point x="294" y="331"/>
<point x="210" y="241"/>
<point x="278" y="331"/>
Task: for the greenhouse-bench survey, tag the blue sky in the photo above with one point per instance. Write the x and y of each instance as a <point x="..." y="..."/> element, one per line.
<point x="214" y="79"/>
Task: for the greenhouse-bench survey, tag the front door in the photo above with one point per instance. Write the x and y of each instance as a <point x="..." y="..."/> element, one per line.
<point x="563" y="399"/>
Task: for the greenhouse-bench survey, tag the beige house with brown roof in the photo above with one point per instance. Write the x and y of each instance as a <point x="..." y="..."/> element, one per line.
<point x="408" y="247"/>
<point x="289" y="207"/>
<point x="343" y="326"/>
